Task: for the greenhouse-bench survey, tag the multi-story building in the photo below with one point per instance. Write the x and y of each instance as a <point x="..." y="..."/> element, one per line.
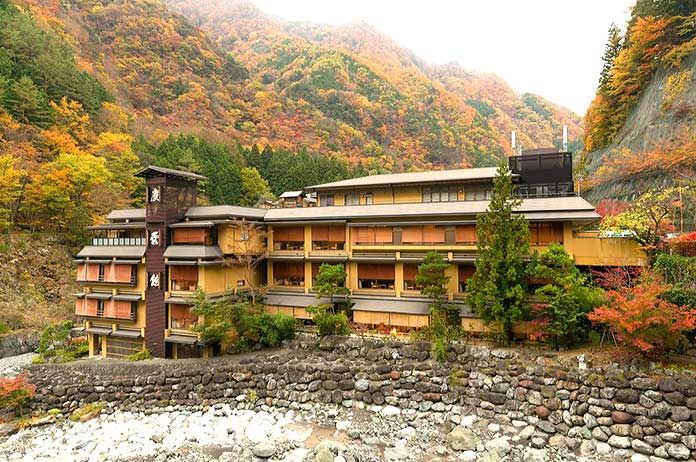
<point x="144" y="266"/>
<point x="379" y="227"/>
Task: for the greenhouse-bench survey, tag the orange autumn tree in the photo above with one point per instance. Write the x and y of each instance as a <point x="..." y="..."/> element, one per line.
<point x="644" y="322"/>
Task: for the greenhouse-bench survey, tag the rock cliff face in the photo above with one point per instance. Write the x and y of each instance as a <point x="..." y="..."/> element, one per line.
<point x="561" y="402"/>
<point x="663" y="121"/>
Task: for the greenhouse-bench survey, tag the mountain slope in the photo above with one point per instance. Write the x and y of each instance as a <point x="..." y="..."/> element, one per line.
<point x="640" y="126"/>
<point x="445" y="115"/>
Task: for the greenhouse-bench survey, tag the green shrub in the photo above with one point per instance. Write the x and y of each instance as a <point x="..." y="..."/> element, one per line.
<point x="327" y="322"/>
<point x="439" y="349"/>
<point x="264" y="329"/>
<point x="56" y="342"/>
<point x="140" y="355"/>
<point x="4" y="328"/>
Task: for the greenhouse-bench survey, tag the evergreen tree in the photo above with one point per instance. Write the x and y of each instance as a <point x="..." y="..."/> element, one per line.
<point x="27" y="103"/>
<point x="611" y="50"/>
<point x="266" y="156"/>
<point x="433" y="281"/>
<point x="330" y="281"/>
<point x="566" y="299"/>
<point x="497" y="290"/>
<point x="253" y="157"/>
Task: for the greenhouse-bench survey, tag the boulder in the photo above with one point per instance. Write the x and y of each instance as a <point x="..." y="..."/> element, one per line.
<point x="462" y="439"/>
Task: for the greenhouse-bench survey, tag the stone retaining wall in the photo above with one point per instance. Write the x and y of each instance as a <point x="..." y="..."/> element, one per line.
<point x="566" y="401"/>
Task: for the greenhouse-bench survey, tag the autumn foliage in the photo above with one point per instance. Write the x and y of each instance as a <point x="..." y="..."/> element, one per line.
<point x="643" y="321"/>
<point x="653" y="40"/>
<point x="15" y="392"/>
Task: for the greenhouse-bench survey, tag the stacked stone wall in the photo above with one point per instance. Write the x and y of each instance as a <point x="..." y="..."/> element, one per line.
<point x="652" y="413"/>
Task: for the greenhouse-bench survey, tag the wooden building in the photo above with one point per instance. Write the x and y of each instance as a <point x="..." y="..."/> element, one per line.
<point x="379" y="227"/>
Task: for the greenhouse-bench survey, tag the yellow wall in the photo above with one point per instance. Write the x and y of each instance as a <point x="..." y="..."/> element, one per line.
<point x="229" y="239"/>
<point x="589" y="250"/>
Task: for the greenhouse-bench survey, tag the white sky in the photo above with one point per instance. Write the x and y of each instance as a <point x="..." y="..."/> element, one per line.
<point x="549" y="47"/>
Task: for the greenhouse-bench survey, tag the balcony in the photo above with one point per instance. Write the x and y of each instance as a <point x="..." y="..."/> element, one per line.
<point x="118" y="241"/>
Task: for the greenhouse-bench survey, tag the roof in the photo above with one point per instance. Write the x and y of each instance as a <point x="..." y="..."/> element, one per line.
<point x="296" y="300"/>
<point x="192" y="224"/>
<point x="126" y="251"/>
<point x="153" y="170"/>
<point x="413" y="177"/>
<point x="383" y="305"/>
<point x="572" y="206"/>
<point x="193" y="251"/>
<point x="224" y="211"/>
<point x="291" y="194"/>
<point x="127" y="214"/>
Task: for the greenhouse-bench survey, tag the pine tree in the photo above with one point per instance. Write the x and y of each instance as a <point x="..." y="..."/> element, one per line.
<point x="497" y="290"/>
<point x="27" y="103"/>
<point x="611" y="50"/>
<point x="433" y="281"/>
<point x="253" y="157"/>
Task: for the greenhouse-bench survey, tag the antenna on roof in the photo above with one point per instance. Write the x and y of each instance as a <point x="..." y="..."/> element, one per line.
<point x="565" y="138"/>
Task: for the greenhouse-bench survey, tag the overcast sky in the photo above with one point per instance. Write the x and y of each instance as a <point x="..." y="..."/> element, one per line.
<point x="549" y="47"/>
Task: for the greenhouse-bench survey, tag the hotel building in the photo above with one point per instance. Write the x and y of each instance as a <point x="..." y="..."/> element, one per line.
<point x="144" y="265"/>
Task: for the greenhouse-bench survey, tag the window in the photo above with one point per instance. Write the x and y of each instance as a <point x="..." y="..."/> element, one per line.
<point x="326" y="200"/>
<point x="466" y="272"/>
<point x="545" y="233"/>
<point x="328" y="237"/>
<point x="288" y="274"/>
<point x="410" y="273"/>
<point x="369" y="200"/>
<point x="240" y="283"/>
<point x="427" y="234"/>
<point x="375" y="276"/>
<point x="101" y="272"/>
<point x="446" y="193"/>
<point x="181" y="317"/>
<point x="477" y="193"/>
<point x="184" y="278"/>
<point x="288" y="238"/>
<point x="243" y="234"/>
<point x="100" y="308"/>
<point x="466" y="234"/>
<point x="352" y="198"/>
<point x="193" y="236"/>
<point x="371" y="235"/>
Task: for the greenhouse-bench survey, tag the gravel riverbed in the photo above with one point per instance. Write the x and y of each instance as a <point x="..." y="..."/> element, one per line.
<point x="327" y="433"/>
<point x="13" y="365"/>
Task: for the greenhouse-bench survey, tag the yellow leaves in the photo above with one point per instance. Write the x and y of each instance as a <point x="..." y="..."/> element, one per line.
<point x="57" y="142"/>
<point x="676" y="85"/>
<point x="71" y="118"/>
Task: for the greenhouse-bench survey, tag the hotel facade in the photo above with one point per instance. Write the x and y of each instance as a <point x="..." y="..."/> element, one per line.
<point x="144" y="265"/>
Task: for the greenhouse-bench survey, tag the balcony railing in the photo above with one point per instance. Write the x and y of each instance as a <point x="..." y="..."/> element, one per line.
<point x="118" y="241"/>
<point x="528" y="191"/>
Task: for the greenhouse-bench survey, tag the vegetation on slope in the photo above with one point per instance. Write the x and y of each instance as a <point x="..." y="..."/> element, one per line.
<point x="373" y="99"/>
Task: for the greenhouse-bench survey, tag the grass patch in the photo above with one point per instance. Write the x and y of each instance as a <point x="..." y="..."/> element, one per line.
<point x="140" y="355"/>
<point x="86" y="409"/>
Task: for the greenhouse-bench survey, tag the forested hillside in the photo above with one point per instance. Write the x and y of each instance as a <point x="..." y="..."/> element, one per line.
<point x="91" y="91"/>
<point x="391" y="105"/>
<point x="639" y="130"/>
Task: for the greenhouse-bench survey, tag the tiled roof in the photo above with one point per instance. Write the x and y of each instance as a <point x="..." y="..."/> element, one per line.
<point x="573" y="206"/>
<point x="193" y="251"/>
<point x="224" y="211"/>
<point x="126" y="214"/>
<point x="126" y="251"/>
<point x="413" y="177"/>
<point x="153" y="169"/>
